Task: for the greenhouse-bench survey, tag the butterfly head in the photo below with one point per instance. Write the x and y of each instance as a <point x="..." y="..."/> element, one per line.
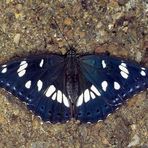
<point x="71" y="52"/>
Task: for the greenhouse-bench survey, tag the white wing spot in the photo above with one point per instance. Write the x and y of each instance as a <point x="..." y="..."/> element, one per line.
<point x="59" y="96"/>
<point x="39" y="85"/>
<point x="103" y="64"/>
<point x="4" y="70"/>
<point x="92" y="95"/>
<point x="143" y="68"/>
<point x="124" y="75"/>
<point x="65" y="101"/>
<point x="4" y="65"/>
<point x="123" y="64"/>
<point x="54" y="96"/>
<point x="124" y="69"/>
<point x="116" y="85"/>
<point x="104" y="85"/>
<point x="95" y="90"/>
<point x="51" y="89"/>
<point x="28" y="84"/>
<point x="21" y="73"/>
<point x="130" y="90"/>
<point x="41" y="63"/>
<point x="86" y="95"/>
<point x="117" y="99"/>
<point x="23" y="65"/>
<point x="80" y="100"/>
<point x="23" y="62"/>
<point x="143" y="73"/>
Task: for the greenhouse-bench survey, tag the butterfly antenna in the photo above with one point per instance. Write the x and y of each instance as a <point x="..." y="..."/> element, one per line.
<point x="61" y="32"/>
<point x="75" y="42"/>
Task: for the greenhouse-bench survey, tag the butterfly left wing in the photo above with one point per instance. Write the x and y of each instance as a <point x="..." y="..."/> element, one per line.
<point x="38" y="81"/>
<point x="111" y="81"/>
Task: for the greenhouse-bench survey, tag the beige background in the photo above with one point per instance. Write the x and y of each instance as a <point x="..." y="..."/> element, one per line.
<point x="117" y="26"/>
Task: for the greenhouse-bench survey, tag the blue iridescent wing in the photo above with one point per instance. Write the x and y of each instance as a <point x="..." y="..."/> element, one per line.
<point x="39" y="82"/>
<point x="109" y="82"/>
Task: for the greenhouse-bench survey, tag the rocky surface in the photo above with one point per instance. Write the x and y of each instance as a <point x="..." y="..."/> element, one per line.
<point x="117" y="26"/>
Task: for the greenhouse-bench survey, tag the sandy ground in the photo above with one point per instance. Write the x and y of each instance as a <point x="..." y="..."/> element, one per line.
<point x="117" y="26"/>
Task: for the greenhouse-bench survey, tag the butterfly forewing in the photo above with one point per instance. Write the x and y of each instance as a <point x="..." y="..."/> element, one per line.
<point x="112" y="81"/>
<point x="39" y="82"/>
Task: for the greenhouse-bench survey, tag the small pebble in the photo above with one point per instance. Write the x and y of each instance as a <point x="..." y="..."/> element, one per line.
<point x="68" y="21"/>
<point x="135" y="141"/>
<point x="17" y="38"/>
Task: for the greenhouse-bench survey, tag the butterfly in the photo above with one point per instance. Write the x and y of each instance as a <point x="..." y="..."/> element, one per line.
<point x="86" y="87"/>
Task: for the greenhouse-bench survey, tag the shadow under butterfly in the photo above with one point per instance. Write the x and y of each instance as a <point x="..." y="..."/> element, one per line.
<point x="84" y="87"/>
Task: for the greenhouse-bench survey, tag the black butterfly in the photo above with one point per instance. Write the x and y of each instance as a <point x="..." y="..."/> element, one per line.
<point x="85" y="87"/>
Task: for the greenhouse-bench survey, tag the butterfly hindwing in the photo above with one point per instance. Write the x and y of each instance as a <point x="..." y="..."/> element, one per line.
<point x="112" y="80"/>
<point x="38" y="81"/>
<point x="90" y="105"/>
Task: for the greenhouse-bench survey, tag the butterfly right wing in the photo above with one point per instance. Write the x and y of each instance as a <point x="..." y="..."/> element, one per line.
<point x="108" y="82"/>
<point x="39" y="82"/>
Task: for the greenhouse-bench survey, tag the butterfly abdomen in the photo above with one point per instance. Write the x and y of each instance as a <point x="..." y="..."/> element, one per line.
<point x="72" y="77"/>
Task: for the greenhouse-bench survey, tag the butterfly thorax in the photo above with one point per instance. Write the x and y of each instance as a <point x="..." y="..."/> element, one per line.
<point x="72" y="75"/>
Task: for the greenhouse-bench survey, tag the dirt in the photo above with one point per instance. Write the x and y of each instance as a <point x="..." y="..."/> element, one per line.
<point x="116" y="26"/>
